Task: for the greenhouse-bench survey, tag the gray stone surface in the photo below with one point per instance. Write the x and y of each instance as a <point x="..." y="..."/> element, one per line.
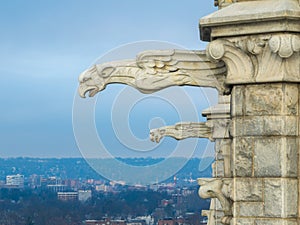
<point x="220" y="128"/>
<point x="242" y="221"/>
<point x="275" y="222"/>
<point x="265" y="126"/>
<point x="264" y="99"/>
<point x="248" y="190"/>
<point x="291" y="99"/>
<point x="219" y="148"/>
<point x="267" y="159"/>
<point x="290" y="198"/>
<point x="290" y="158"/>
<point x="281" y="197"/>
<point x="275" y="157"/>
<point x="273" y="198"/>
<point x="248" y="209"/>
<point x="238" y="100"/>
<point x="271" y="99"/>
<point x="243" y="157"/>
<point x="219" y="165"/>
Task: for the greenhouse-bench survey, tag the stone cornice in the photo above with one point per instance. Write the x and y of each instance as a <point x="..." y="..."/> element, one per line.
<point x="246" y="18"/>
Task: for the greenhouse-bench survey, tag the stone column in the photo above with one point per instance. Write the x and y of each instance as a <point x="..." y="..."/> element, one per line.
<point x="260" y="43"/>
<point x="219" y="118"/>
<point x="265" y="153"/>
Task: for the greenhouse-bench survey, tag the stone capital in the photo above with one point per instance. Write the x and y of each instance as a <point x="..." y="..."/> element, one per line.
<point x="258" y="58"/>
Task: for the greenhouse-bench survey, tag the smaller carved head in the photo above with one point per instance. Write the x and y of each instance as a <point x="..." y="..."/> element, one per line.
<point x="94" y="79"/>
<point x="209" y="187"/>
<point x="157" y="134"/>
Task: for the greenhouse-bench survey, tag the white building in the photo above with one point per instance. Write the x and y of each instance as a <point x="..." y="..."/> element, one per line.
<point x="15" y="180"/>
<point x="67" y="196"/>
<point x="84" y="195"/>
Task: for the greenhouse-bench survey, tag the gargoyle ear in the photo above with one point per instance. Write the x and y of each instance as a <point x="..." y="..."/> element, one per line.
<point x="202" y="181"/>
<point x="106" y="72"/>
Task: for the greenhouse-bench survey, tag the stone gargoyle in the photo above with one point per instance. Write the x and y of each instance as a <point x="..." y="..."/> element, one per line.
<point x="219" y="188"/>
<point x="182" y="130"/>
<point x="155" y="70"/>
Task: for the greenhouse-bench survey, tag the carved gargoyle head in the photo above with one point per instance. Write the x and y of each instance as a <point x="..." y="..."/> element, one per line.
<point x="209" y="187"/>
<point x="157" y="134"/>
<point x="94" y="79"/>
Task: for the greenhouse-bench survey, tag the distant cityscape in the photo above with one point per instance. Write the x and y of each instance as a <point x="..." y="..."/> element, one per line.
<point x="71" y="182"/>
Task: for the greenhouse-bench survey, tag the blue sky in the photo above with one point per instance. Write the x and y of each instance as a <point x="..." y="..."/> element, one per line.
<point x="45" y="45"/>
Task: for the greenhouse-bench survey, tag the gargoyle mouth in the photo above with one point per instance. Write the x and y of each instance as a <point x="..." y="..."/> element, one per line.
<point x="93" y="90"/>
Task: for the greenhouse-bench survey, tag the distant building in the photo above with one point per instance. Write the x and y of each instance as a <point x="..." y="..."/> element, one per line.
<point x="187" y="191"/>
<point x="103" y="188"/>
<point x="105" y="221"/>
<point x="136" y="222"/>
<point x="57" y="187"/>
<point x="15" y="180"/>
<point x="84" y="195"/>
<point x="80" y="195"/>
<point x="167" y="221"/>
<point x="34" y="181"/>
<point x="67" y="196"/>
<point x="72" y="184"/>
<point x="193" y="218"/>
<point x="171" y="221"/>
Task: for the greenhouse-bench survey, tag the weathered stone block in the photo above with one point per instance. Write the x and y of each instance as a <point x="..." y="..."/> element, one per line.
<point x="289" y="157"/>
<point x="291" y="97"/>
<point x="219" y="168"/>
<point x="265" y="99"/>
<point x="291" y="128"/>
<point x="221" y="128"/>
<point x="270" y="99"/>
<point x="275" y="157"/>
<point x="275" y="222"/>
<point x="242" y="221"/>
<point x="273" y="198"/>
<point x="237" y="101"/>
<point x="267" y="157"/>
<point x="281" y="197"/>
<point x="290" y="198"/>
<point x="219" y="149"/>
<point x="248" y="189"/>
<point x="265" y="126"/>
<point x="243" y="157"/>
<point x="248" y="209"/>
<point x="247" y="126"/>
<point x="280" y="125"/>
<point x="223" y="153"/>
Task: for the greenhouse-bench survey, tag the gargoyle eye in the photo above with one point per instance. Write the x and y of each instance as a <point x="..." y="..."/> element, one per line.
<point x="86" y="79"/>
<point x="106" y="72"/>
<point x="162" y="131"/>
